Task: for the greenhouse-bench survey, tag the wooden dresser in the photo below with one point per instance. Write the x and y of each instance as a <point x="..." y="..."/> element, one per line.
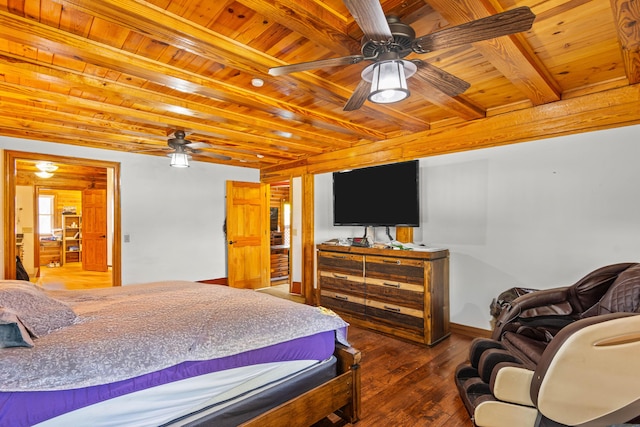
<point x="401" y="293"/>
<point x="279" y="257"/>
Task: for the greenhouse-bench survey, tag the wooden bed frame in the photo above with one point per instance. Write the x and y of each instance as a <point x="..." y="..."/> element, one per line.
<point x="340" y="395"/>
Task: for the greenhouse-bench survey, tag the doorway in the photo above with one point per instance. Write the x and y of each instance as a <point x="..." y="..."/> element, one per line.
<point x="70" y="176"/>
<point x="282" y="243"/>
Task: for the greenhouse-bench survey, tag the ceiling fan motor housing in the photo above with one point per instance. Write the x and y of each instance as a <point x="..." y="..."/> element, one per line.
<point x="400" y="46"/>
<point x="179" y="140"/>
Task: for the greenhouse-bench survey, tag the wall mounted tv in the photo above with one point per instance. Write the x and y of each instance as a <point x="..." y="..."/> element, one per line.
<point x="386" y="195"/>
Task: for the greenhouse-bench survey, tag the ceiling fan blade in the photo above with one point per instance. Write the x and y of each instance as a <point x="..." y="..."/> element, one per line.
<point x="313" y="65"/>
<point x="197" y="145"/>
<point x="370" y="18"/>
<point x="445" y="82"/>
<point x="212" y="155"/>
<point x="358" y="96"/>
<point x="501" y="24"/>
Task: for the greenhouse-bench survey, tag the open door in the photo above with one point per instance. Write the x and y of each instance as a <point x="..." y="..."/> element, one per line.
<point x="248" y="235"/>
<point x="94" y="230"/>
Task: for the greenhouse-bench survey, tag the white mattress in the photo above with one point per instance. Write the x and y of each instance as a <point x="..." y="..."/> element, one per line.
<point x="159" y="405"/>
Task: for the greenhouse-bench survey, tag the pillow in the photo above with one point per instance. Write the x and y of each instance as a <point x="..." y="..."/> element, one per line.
<point x="12" y="331"/>
<point x="38" y="312"/>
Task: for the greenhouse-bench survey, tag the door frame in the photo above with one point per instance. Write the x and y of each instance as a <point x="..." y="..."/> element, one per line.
<point x="10" y="158"/>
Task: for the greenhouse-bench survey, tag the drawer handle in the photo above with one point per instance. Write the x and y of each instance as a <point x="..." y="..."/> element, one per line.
<point x="394" y="309"/>
<point x="340" y="276"/>
<point x="342" y="298"/>
<point x="391" y="261"/>
<point x="392" y="285"/>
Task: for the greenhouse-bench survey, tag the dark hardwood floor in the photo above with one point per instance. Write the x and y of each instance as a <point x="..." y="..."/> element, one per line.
<point x="404" y="384"/>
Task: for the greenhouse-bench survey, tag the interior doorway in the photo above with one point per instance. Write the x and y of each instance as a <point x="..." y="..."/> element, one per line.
<point x="67" y="180"/>
<point x="282" y="244"/>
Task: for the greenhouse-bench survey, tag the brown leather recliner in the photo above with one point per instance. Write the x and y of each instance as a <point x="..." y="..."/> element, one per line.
<point x="531" y="324"/>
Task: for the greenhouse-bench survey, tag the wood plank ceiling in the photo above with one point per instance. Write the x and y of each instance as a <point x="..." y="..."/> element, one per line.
<point x="125" y="74"/>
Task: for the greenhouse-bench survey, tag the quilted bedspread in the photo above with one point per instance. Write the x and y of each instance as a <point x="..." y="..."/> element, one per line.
<point x="128" y="331"/>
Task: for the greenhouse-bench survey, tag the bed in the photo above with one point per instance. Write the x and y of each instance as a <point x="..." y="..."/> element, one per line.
<point x="170" y="353"/>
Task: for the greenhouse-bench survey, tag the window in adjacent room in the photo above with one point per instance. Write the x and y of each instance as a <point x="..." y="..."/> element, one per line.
<point x="45" y="214"/>
<point x="286" y="220"/>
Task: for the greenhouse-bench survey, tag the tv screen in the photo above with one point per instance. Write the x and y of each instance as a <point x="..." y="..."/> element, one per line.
<point x="386" y="195"/>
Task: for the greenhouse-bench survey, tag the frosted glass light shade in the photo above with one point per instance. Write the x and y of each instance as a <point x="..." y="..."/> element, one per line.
<point x="388" y="83"/>
<point x="179" y="160"/>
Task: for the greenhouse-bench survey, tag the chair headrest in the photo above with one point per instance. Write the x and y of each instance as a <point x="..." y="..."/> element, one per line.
<point x="623" y="296"/>
<point x="589" y="290"/>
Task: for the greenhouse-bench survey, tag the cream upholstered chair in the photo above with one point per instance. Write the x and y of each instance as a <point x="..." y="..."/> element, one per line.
<point x="502" y="382"/>
<point x="589" y="375"/>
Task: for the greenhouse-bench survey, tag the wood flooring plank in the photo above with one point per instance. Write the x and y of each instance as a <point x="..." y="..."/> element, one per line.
<point x="405" y="384"/>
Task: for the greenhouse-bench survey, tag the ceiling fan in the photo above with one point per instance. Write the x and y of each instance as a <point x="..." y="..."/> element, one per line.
<point x="182" y="149"/>
<point x="387" y="41"/>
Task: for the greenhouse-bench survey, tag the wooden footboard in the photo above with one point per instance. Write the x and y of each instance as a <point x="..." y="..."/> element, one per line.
<point x="340" y="395"/>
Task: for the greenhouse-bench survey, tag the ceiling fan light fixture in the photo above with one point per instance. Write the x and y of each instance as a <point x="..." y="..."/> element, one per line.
<point x="388" y="80"/>
<point x="179" y="159"/>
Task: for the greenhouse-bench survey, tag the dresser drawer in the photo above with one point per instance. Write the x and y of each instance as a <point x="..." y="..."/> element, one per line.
<point x="341" y="282"/>
<point x="405" y="294"/>
<point x="395" y="269"/>
<point x="401" y="293"/>
<point x="341" y="263"/>
<point x="394" y="314"/>
<point x="342" y="302"/>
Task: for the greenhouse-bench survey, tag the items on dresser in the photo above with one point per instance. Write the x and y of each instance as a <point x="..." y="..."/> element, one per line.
<point x="401" y="293"/>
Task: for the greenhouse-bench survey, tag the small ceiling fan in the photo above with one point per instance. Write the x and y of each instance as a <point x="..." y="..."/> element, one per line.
<point x="182" y="149"/>
<point x="387" y="41"/>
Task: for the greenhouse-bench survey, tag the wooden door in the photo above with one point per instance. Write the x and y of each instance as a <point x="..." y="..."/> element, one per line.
<point x="94" y="230"/>
<point x="248" y="235"/>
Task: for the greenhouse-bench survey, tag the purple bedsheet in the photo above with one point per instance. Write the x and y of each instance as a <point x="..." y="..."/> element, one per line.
<point x="28" y="408"/>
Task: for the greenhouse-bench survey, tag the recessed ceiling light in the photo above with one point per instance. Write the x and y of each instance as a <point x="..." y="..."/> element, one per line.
<point x="260" y="156"/>
<point x="257" y="82"/>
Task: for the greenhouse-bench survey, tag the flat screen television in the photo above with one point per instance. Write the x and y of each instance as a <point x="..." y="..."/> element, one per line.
<point x="386" y="195"/>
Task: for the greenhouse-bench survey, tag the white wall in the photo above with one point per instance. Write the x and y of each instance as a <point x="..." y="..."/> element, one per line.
<point x="296" y="230"/>
<point x="174" y="216"/>
<point x="539" y="214"/>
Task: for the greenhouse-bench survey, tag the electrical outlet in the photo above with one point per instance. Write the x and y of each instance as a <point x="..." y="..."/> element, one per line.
<point x="127" y="238"/>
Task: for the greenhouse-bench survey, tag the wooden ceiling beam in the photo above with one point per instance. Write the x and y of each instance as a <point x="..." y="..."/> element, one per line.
<point x="52" y="40"/>
<point x="627" y="17"/>
<point x="312" y="19"/>
<point x="162" y="25"/>
<point x="106" y="128"/>
<point x="153" y="119"/>
<point x="94" y="140"/>
<point x="147" y="19"/>
<point x="511" y="55"/>
<point x="39" y="70"/>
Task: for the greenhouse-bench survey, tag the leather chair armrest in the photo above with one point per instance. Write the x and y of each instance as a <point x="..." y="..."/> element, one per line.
<point x="548" y="301"/>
